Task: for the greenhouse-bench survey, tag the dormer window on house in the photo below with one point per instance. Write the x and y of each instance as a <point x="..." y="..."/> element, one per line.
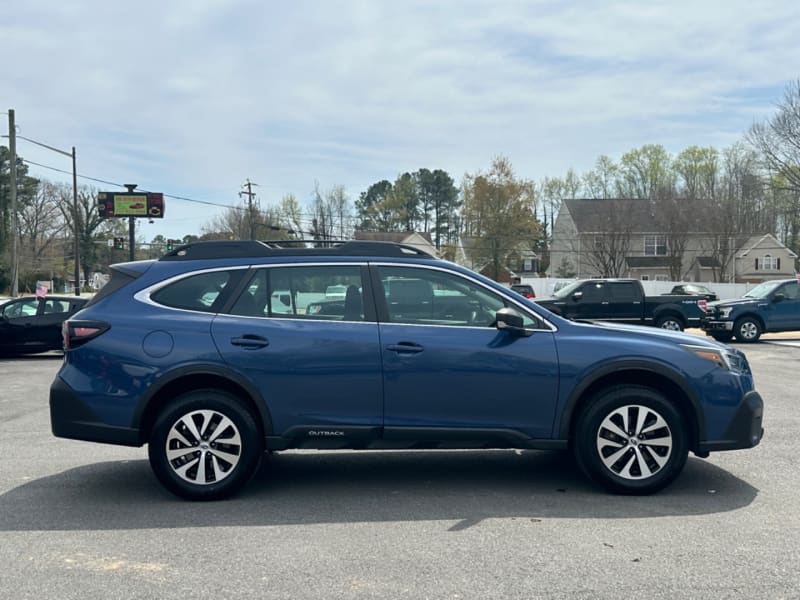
<point x="768" y="263"/>
<point x="655" y="245"/>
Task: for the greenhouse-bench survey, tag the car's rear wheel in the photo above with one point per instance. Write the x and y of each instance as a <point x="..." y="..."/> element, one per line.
<point x="205" y="445"/>
<point x="670" y="322"/>
<point x="631" y="440"/>
<point x="747" y="329"/>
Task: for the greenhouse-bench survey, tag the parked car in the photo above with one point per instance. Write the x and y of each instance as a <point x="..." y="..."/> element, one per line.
<point x="693" y="289"/>
<point x="30" y="325"/>
<point x="769" y="307"/>
<point x="624" y="301"/>
<point x="426" y="354"/>
<point x="524" y="290"/>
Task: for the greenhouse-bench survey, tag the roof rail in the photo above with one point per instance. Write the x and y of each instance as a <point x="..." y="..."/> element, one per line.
<point x="255" y="248"/>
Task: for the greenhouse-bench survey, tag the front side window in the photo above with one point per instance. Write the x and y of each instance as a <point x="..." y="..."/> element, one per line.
<point x="593" y="292"/>
<point x="332" y="293"/>
<point x="655" y="245"/>
<point x="56" y="307"/>
<point x="21" y="308"/>
<point x="432" y="297"/>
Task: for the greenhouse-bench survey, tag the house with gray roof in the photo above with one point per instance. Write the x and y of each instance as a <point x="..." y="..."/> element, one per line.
<point x="420" y="240"/>
<point x="659" y="241"/>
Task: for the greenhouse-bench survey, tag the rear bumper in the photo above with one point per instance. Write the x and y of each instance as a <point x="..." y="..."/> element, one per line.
<point x="71" y="418"/>
<point x="745" y="430"/>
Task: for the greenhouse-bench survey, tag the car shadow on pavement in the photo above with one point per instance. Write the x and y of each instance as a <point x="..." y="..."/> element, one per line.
<point x="342" y="487"/>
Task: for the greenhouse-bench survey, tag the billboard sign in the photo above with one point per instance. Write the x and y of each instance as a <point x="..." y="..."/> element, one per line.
<point x="149" y="205"/>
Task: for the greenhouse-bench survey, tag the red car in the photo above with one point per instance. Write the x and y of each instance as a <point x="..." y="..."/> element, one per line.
<point x="524" y="289"/>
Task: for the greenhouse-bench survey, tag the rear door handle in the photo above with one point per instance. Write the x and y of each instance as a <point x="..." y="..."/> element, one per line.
<point x="250" y="341"/>
<point x="405" y="348"/>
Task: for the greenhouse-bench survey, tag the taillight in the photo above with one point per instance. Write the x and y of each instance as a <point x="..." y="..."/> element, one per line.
<point x="530" y="295"/>
<point x="703" y="304"/>
<point x="76" y="333"/>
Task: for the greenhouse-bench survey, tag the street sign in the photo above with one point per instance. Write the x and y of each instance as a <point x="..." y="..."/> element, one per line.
<point x="149" y="205"/>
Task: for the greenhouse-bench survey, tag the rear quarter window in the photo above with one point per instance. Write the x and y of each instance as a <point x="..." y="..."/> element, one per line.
<point x="200" y="292"/>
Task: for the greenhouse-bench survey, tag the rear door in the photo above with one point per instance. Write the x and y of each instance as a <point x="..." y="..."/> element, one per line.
<point x="314" y="368"/>
<point x="626" y="301"/>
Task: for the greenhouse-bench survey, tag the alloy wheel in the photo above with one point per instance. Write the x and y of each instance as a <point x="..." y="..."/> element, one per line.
<point x="203" y="447"/>
<point x="634" y="442"/>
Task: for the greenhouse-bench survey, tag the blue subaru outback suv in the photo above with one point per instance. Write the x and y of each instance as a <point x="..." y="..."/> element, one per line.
<point x="212" y="356"/>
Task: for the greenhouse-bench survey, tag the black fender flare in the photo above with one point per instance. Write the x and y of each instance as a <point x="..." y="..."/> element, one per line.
<point x="256" y="398"/>
<point x="614" y="368"/>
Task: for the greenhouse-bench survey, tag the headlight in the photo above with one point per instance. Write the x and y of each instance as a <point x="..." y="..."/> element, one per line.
<point x="725" y="359"/>
<point x="725" y="311"/>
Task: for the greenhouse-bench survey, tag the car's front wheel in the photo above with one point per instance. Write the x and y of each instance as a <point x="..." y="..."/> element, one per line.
<point x="747" y="329"/>
<point x="205" y="445"/>
<point x="631" y="440"/>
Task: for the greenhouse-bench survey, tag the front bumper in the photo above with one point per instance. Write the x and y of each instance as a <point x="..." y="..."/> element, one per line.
<point x="714" y="325"/>
<point x="71" y="418"/>
<point x="745" y="430"/>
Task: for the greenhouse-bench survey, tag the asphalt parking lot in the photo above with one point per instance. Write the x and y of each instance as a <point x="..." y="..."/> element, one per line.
<point x="80" y="520"/>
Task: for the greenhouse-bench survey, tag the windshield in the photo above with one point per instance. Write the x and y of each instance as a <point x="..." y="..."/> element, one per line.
<point x="568" y="290"/>
<point x="762" y="290"/>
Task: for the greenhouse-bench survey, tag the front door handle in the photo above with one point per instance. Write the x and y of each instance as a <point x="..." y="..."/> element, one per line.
<point x="405" y="348"/>
<point x="250" y="341"/>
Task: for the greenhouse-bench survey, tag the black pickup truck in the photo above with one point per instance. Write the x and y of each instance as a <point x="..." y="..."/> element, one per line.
<point x="623" y="301"/>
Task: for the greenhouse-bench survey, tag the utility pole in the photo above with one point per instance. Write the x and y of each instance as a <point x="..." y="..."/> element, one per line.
<point x="250" y="193"/>
<point x="131" y="227"/>
<point x="12" y="146"/>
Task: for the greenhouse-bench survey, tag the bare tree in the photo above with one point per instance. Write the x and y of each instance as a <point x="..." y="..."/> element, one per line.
<point x="606" y="249"/>
<point x="778" y="138"/>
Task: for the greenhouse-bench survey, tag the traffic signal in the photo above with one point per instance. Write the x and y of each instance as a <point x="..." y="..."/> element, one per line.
<point x="170" y="245"/>
<point x="119" y="243"/>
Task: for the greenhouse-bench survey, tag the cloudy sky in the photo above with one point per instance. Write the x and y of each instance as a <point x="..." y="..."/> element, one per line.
<point x="193" y="97"/>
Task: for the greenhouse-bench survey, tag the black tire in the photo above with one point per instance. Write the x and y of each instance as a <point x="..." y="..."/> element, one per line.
<point x="722" y="337"/>
<point x="671" y="322"/>
<point x="218" y="433"/>
<point x="633" y="464"/>
<point x="747" y="329"/>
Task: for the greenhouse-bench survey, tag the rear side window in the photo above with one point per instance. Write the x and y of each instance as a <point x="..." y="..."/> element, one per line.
<point x="624" y="292"/>
<point x="56" y="306"/>
<point x="197" y="292"/>
<point x="333" y="293"/>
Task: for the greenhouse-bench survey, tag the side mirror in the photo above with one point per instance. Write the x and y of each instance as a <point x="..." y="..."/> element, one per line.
<point x="577" y="296"/>
<point x="779" y="297"/>
<point x="507" y="319"/>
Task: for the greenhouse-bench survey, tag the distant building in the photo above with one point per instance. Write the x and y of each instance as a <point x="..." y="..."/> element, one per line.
<point x="421" y="241"/>
<point x="636" y="237"/>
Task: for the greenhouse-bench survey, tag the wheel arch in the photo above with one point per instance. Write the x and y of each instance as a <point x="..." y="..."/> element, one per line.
<point x="644" y="375"/>
<point x="670" y="312"/>
<point x="193" y="378"/>
<point x="752" y="315"/>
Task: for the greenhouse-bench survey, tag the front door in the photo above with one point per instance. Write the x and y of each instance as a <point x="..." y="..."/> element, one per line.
<point x="448" y="370"/>
<point x="785" y="315"/>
